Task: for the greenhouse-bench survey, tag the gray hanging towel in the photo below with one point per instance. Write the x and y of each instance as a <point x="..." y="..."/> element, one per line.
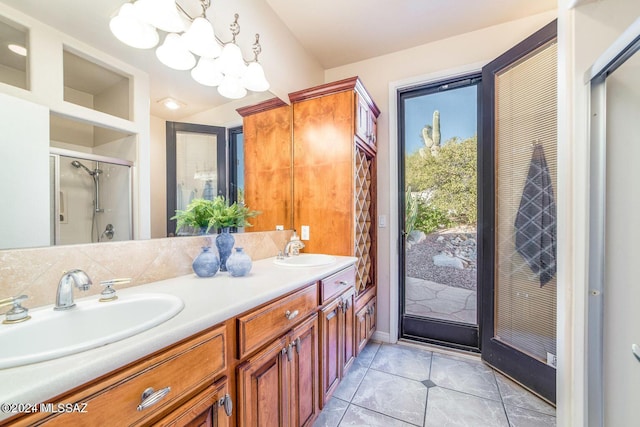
<point x="536" y="219"/>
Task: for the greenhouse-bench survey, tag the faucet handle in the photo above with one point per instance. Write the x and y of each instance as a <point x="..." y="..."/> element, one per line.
<point x="17" y="313"/>
<point x="108" y="293"/>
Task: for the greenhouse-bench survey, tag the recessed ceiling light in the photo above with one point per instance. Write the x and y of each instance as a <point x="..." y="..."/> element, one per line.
<point x="172" y="104"/>
<point x="17" y="49"/>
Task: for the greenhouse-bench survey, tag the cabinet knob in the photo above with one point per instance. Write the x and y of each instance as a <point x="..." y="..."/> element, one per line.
<point x="227" y="404"/>
<point x="296" y="344"/>
<point x="290" y="315"/>
<point x="151" y="397"/>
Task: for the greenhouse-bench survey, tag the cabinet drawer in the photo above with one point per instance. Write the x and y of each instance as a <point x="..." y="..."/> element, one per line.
<point x="184" y="369"/>
<point x="336" y="284"/>
<point x="263" y="324"/>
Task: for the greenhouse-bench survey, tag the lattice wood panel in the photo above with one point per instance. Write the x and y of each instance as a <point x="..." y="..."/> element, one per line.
<point x="362" y="219"/>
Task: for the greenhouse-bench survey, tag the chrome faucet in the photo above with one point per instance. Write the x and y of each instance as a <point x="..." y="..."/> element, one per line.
<point x="296" y="245"/>
<point x="71" y="278"/>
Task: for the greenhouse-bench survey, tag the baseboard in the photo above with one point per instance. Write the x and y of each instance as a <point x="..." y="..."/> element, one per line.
<point x="382" y="337"/>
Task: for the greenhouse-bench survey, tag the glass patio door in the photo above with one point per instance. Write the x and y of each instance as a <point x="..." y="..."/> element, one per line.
<point x="438" y="179"/>
<point x="519" y="166"/>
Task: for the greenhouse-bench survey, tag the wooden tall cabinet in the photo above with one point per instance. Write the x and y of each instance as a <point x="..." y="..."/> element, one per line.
<point x="267" y="163"/>
<point x="334" y="169"/>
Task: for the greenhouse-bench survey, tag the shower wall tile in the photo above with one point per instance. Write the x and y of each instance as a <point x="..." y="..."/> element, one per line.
<point x="36" y="272"/>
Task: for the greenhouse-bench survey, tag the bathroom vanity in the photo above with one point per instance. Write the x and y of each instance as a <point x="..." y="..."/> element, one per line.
<point x="267" y="349"/>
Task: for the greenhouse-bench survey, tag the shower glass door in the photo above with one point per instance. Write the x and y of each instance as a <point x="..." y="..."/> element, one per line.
<point x="91" y="199"/>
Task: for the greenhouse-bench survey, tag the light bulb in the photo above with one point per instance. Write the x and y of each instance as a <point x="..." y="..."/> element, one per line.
<point x="201" y="40"/>
<point x="231" y="62"/>
<point x="174" y="54"/>
<point x="131" y="30"/>
<point x="254" y="78"/>
<point x="162" y="14"/>
<point x="207" y="72"/>
<point x="232" y="88"/>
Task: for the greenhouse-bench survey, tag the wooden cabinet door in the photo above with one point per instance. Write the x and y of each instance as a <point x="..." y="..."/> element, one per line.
<point x="330" y="330"/>
<point x="208" y="409"/>
<point x="347" y="330"/>
<point x="262" y="387"/>
<point x="371" y="318"/>
<point x="304" y="373"/>
<point x="361" y="329"/>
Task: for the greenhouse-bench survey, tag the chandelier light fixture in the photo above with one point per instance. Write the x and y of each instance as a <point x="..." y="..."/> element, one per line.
<point x="190" y="44"/>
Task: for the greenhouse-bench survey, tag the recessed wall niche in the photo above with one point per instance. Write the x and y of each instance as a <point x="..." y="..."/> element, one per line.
<point x="94" y="86"/>
<point x="75" y="135"/>
<point x="14" y="54"/>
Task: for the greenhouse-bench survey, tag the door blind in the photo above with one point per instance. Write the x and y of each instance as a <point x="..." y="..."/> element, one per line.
<point x="526" y="116"/>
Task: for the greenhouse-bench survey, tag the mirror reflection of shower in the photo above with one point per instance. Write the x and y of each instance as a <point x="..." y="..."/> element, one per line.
<point x="92" y="198"/>
<point x="95" y="174"/>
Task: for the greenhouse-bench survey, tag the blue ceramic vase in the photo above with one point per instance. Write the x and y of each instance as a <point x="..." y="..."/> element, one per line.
<point x="239" y="263"/>
<point x="224" y="243"/>
<point x="206" y="264"/>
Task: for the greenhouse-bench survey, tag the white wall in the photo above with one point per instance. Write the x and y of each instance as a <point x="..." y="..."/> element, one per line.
<point x="585" y="30"/>
<point x="158" y="154"/>
<point x="378" y="74"/>
<point x="24" y="174"/>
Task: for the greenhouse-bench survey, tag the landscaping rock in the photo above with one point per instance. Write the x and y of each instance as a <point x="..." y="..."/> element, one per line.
<point x="443" y="260"/>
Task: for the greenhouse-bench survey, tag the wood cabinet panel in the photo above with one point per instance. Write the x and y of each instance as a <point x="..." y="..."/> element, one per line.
<point x="330" y="318"/>
<point x="323" y="172"/>
<point x="184" y="369"/>
<point x="207" y="409"/>
<point x="267" y="162"/>
<point x="262" y="387"/>
<point x="348" y="354"/>
<point x="304" y="373"/>
<point x="365" y="324"/>
<point x="336" y="284"/>
<point x="261" y="325"/>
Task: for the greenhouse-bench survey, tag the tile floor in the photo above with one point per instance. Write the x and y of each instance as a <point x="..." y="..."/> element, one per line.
<point x="408" y="385"/>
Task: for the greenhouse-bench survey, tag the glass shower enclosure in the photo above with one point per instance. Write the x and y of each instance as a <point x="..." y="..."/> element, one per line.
<point x="90" y="198"/>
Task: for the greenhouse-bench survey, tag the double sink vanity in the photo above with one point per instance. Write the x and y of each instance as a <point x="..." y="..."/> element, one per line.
<point x="266" y="349"/>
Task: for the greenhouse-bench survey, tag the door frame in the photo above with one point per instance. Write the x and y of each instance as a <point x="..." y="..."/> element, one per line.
<point x="172" y="128"/>
<point x="536" y="375"/>
<point x="622" y="49"/>
<point x="394" y="235"/>
<point x="431" y="330"/>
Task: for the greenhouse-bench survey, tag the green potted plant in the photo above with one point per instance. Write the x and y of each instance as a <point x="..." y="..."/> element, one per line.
<point x="202" y="215"/>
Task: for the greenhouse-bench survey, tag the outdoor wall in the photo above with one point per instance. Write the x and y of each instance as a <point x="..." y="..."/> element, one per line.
<point x="378" y="75"/>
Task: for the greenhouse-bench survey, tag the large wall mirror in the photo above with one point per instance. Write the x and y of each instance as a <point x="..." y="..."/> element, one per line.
<point x="90" y="157"/>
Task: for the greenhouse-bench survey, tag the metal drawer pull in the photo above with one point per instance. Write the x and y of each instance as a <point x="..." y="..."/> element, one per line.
<point x="291" y="315"/>
<point x="227" y="404"/>
<point x="343" y="283"/>
<point x="296" y="344"/>
<point x="151" y="397"/>
<point x="635" y="349"/>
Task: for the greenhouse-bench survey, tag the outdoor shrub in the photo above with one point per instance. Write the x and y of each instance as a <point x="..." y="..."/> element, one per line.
<point x="430" y="218"/>
<point x="450" y="177"/>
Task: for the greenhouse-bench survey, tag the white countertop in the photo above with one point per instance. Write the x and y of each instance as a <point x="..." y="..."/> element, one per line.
<point x="207" y="302"/>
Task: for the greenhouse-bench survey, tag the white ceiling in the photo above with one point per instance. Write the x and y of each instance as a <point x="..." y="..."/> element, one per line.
<point x="335" y="32"/>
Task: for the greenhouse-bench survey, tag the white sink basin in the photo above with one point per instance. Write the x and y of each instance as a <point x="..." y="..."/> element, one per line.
<point x="51" y="334"/>
<point x="306" y="260"/>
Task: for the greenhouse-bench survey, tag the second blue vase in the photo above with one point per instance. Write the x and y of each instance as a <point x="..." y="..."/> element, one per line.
<point x="224" y="243"/>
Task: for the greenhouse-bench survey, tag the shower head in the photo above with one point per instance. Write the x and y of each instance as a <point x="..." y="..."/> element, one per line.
<point x="77" y="164"/>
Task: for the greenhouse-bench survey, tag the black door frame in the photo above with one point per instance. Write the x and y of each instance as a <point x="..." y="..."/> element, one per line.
<point x="536" y="375"/>
<point x="417" y="328"/>
<point x="172" y="128"/>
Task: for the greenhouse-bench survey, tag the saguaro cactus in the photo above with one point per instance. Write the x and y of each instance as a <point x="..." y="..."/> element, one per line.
<point x="431" y="136"/>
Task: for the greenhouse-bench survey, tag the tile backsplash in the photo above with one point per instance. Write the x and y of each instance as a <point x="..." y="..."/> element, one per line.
<point x="36" y="272"/>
